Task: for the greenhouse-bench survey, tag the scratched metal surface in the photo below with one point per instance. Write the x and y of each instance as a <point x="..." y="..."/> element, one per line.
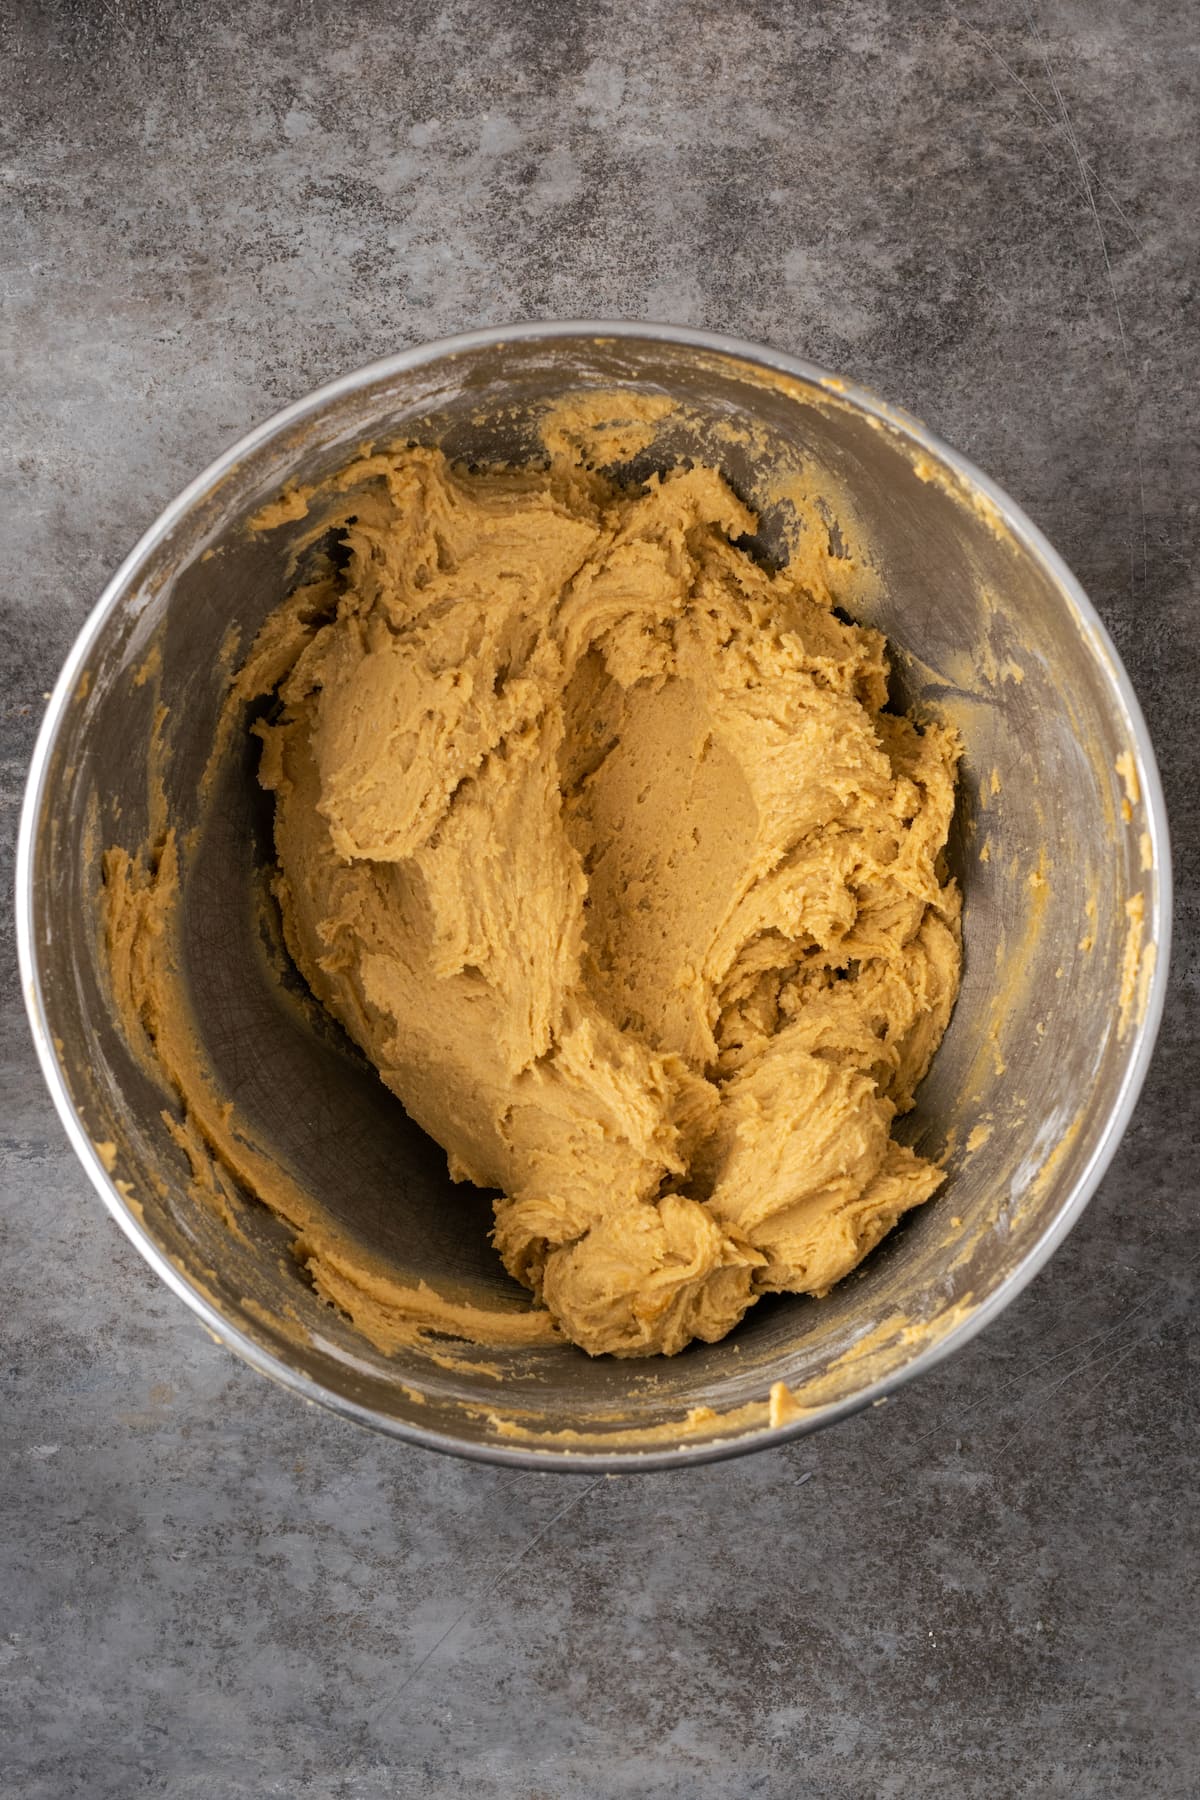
<point x="986" y="1586"/>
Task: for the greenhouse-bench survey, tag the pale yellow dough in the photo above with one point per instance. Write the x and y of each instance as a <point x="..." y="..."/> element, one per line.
<point x="595" y="836"/>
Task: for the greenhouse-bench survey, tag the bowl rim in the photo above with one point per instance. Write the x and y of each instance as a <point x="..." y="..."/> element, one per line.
<point x="686" y="1453"/>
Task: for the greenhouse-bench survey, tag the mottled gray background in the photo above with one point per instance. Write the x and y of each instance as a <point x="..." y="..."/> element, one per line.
<point x="989" y="1585"/>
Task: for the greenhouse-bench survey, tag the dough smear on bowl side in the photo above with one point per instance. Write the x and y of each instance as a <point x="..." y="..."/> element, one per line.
<point x="595" y="835"/>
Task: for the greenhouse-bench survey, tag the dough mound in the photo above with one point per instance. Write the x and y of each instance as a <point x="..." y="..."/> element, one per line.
<point x="594" y="834"/>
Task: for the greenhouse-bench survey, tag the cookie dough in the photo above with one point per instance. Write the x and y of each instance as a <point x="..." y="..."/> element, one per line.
<point x="595" y="835"/>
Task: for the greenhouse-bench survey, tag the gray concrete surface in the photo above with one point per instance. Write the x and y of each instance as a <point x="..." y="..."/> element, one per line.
<point x="986" y="1587"/>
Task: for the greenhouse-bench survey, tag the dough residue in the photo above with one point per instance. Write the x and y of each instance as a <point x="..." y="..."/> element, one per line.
<point x="596" y="836"/>
<point x="140" y="905"/>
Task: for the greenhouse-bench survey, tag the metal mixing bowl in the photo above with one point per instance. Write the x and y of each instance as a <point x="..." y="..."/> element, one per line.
<point x="1027" y="1097"/>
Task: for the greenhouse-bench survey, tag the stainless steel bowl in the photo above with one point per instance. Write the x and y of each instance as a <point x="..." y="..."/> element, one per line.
<point x="1060" y="838"/>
